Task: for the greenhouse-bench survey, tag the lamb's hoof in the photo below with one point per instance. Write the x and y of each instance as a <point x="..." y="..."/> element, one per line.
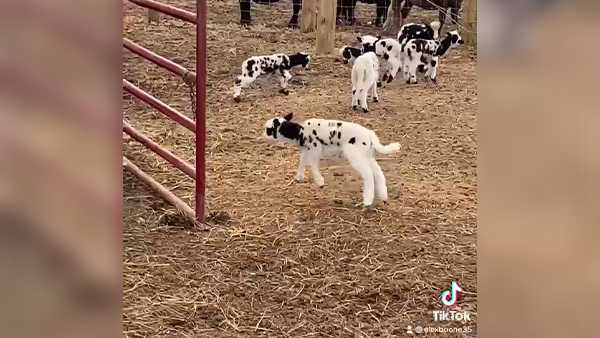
<point x="390" y="79"/>
<point x="379" y="84"/>
<point x="284" y="91"/>
<point x="237" y="99"/>
<point x="354" y="107"/>
<point x="434" y="80"/>
<point x="384" y="78"/>
<point x="375" y="100"/>
<point x="365" y="110"/>
<point x="299" y="179"/>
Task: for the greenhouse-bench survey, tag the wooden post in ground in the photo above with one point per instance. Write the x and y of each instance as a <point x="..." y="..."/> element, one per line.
<point x="309" y="16"/>
<point x="326" y="27"/>
<point x="470" y="22"/>
<point x="153" y="16"/>
<point x="394" y="20"/>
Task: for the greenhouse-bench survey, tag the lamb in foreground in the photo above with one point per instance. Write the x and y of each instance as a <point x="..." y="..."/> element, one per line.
<point x="332" y="139"/>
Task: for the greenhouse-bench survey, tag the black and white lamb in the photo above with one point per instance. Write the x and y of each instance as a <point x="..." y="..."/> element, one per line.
<point x="256" y="66"/>
<point x="419" y="31"/>
<point x="425" y="54"/>
<point x="332" y="139"/>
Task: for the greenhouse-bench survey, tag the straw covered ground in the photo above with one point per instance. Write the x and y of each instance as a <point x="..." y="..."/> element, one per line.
<point x="285" y="259"/>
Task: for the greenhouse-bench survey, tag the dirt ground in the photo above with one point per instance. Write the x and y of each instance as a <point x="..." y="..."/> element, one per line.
<point x="285" y="259"/>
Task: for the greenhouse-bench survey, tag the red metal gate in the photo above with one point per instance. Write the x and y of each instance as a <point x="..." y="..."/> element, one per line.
<point x="198" y="126"/>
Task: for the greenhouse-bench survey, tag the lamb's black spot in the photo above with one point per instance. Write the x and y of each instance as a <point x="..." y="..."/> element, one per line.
<point x="338" y="144"/>
<point x="318" y="124"/>
<point x="238" y="81"/>
<point x="250" y="65"/>
<point x="383" y="43"/>
<point x="339" y="134"/>
<point x="433" y="63"/>
<point x="309" y="123"/>
<point x="390" y="48"/>
<point x="332" y="133"/>
<point x="309" y="139"/>
<point x="352" y="140"/>
<point x="314" y="132"/>
<point x="315" y="144"/>
<point x="364" y="143"/>
<point x="291" y="130"/>
<point x="353" y="91"/>
<point x="386" y="56"/>
<point x="409" y="52"/>
<point x="423" y="59"/>
<point x="339" y="124"/>
<point x="321" y="141"/>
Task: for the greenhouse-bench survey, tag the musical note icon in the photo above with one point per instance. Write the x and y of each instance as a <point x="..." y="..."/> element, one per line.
<point x="450" y="297"/>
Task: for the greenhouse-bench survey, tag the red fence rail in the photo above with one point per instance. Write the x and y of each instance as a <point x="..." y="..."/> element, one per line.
<point x="175" y="68"/>
<point x="170" y="10"/>
<point x="198" y="127"/>
<point x="160" y="106"/>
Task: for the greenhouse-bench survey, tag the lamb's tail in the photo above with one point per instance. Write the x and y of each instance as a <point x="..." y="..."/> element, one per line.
<point x="380" y="148"/>
<point x="435" y="25"/>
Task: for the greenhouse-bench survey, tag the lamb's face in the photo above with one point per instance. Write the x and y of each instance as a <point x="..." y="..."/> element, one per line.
<point x="382" y="48"/>
<point x="368" y="42"/>
<point x="272" y="126"/>
<point x="306" y="62"/>
<point x="455" y="39"/>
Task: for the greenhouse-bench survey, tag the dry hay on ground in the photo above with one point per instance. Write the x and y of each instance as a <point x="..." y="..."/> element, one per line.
<point x="287" y="259"/>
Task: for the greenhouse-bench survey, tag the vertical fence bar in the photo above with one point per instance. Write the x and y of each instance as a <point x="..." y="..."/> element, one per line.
<point x="201" y="23"/>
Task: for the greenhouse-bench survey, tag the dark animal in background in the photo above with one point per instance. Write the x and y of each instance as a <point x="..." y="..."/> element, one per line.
<point x="453" y="5"/>
<point x="345" y="10"/>
<point x="246" y="6"/>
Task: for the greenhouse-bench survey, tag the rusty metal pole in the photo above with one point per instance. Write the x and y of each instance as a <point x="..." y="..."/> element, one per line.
<point x="201" y="74"/>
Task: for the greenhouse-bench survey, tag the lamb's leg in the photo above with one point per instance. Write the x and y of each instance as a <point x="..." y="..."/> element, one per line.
<point x="359" y="161"/>
<point x="363" y="99"/>
<point x="316" y="174"/>
<point x="412" y="70"/>
<point x="375" y="96"/>
<point x="285" y="76"/>
<point x="380" y="186"/>
<point x="354" y="98"/>
<point x="241" y="82"/>
<point x="435" y="62"/>
<point x="301" y="164"/>
<point x="394" y="67"/>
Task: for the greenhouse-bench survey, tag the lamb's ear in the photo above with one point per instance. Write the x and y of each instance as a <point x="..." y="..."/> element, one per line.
<point x="359" y="39"/>
<point x="289" y="117"/>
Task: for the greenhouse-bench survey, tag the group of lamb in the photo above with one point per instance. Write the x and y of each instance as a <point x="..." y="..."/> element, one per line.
<point x="417" y="48"/>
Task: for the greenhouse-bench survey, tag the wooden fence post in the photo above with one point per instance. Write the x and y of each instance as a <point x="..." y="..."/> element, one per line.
<point x="309" y="16"/>
<point x="326" y="27"/>
<point x="470" y="10"/>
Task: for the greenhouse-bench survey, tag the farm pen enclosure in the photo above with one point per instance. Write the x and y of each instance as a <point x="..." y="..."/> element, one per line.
<point x="283" y="258"/>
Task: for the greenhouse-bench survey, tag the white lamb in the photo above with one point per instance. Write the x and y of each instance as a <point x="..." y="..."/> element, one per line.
<point x="333" y="139"/>
<point x="365" y="73"/>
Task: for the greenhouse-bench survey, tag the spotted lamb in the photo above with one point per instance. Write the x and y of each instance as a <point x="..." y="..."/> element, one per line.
<point x="332" y="139"/>
<point x="256" y="66"/>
